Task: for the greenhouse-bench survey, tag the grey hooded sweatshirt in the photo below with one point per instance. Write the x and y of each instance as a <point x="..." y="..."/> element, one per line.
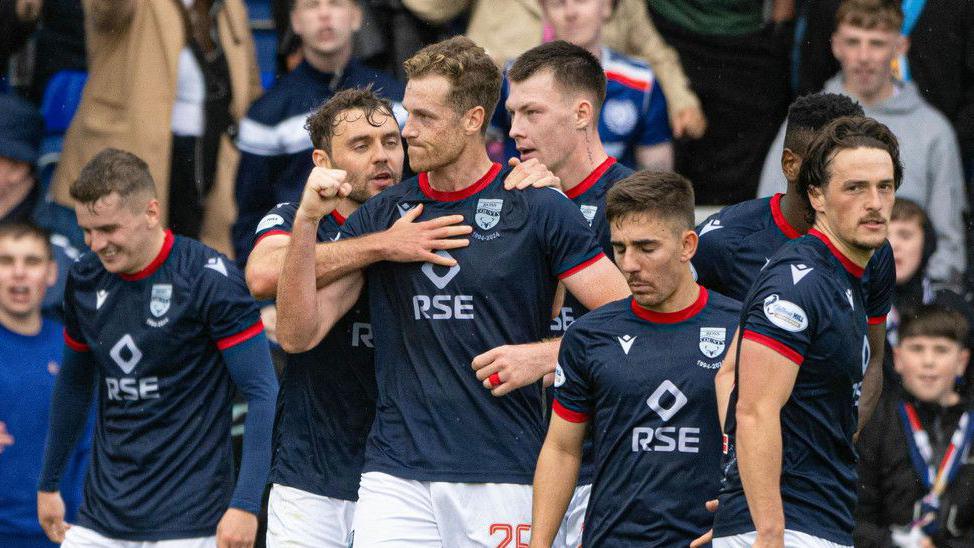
<point x="932" y="172"/>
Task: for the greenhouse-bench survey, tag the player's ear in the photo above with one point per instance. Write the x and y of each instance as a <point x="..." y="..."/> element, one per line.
<point x="356" y="16"/>
<point x="790" y="164"/>
<point x="816" y="196"/>
<point x="474" y="119"/>
<point x="584" y="114"/>
<point x="50" y="277"/>
<point x="902" y="45"/>
<point x="962" y="361"/>
<point x="897" y="358"/>
<point x="152" y="212"/>
<point x="690" y="242"/>
<point x="321" y="158"/>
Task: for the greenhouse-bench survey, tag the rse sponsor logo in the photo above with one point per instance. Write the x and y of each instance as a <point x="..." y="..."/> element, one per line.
<point x="130" y="389"/>
<point x="785" y="314"/>
<point x="665" y="439"/>
<point x="362" y="335"/>
<point x="443" y="307"/>
<point x="565" y="318"/>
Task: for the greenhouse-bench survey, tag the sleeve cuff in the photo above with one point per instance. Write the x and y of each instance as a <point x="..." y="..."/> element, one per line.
<point x="75" y="345"/>
<point x="568" y="414"/>
<point x="240" y="337"/>
<point x="876" y="320"/>
<point x="271" y="233"/>
<point x="775" y="345"/>
<point x="581" y="266"/>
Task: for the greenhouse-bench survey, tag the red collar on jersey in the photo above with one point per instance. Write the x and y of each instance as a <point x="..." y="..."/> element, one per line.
<point x="779" y="218"/>
<point x="591" y="179"/>
<point x="156" y="263"/>
<point x="672" y="317"/>
<point x="849" y="265"/>
<point x="443" y="196"/>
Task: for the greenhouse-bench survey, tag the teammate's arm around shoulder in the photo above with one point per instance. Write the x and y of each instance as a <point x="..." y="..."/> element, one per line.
<point x="765" y="381"/>
<point x="555" y="478"/>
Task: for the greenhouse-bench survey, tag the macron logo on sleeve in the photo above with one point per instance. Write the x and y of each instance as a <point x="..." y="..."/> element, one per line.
<point x="216" y="263"/>
<point x="711" y="226"/>
<point x="798" y="272"/>
<point x="625" y="342"/>
<point x="100" y="297"/>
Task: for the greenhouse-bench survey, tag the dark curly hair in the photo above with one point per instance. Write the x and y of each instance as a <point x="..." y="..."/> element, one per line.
<point x="808" y="114"/>
<point x="322" y="122"/>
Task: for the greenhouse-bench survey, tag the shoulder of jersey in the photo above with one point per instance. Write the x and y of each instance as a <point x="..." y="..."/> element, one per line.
<point x="737" y="220"/>
<point x="722" y="302"/>
<point x="797" y="263"/>
<point x="628" y="71"/>
<point x="197" y="257"/>
<point x="86" y="266"/>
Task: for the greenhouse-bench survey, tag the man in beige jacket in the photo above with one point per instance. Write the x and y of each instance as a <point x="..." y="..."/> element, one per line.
<point x="140" y="71"/>
<point x="508" y="28"/>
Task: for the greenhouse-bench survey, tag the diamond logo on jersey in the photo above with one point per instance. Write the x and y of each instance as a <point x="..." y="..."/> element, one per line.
<point x="620" y="116"/>
<point x="488" y="212"/>
<point x="404" y="208"/>
<point x="626" y="342"/>
<point x="559" y="376"/>
<point x="126" y="354"/>
<point x="100" y="297"/>
<point x="848" y="295"/>
<point x="160" y="300"/>
<point x="216" y="263"/>
<point x="785" y="314"/>
<point x="655" y="401"/>
<point x="711" y="226"/>
<point x="712" y="340"/>
<point x="441" y="281"/>
<point x="798" y="272"/>
<point x="589" y="211"/>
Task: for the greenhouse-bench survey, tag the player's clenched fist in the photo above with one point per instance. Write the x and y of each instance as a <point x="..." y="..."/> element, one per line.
<point x="324" y="189"/>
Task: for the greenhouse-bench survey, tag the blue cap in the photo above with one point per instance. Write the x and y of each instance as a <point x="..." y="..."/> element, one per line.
<point x="21" y="129"/>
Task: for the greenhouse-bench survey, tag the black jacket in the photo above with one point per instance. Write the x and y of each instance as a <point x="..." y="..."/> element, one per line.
<point x="889" y="486"/>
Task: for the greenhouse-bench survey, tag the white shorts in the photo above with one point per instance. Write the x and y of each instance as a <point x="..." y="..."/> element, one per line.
<point x="394" y="512"/>
<point x="79" y="537"/>
<point x="297" y="518"/>
<point x="793" y="539"/>
<point x="570" y="533"/>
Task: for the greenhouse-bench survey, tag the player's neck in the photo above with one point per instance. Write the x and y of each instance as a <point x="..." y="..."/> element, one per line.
<point x="28" y="324"/>
<point x="581" y="163"/>
<point x="855" y="254"/>
<point x="685" y="295"/>
<point x="794" y="210"/>
<point x="328" y="63"/>
<point x="467" y="169"/>
<point x="869" y="99"/>
<point x="156" y="241"/>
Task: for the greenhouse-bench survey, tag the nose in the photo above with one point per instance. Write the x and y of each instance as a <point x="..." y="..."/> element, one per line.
<point x="517" y="127"/>
<point x="96" y="241"/>
<point x="409" y="128"/>
<point x="874" y="200"/>
<point x="626" y="263"/>
<point x="19" y="269"/>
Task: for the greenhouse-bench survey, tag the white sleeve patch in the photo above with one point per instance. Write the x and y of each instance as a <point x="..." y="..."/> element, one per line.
<point x="559" y="376"/>
<point x="269" y="220"/>
<point x="785" y="314"/>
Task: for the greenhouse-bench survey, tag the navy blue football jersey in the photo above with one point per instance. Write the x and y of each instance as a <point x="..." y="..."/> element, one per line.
<point x="589" y="196"/>
<point x="162" y="461"/>
<point x="326" y="402"/>
<point x="434" y="419"/>
<point x="646" y="381"/>
<point x="738" y="241"/>
<point x="807" y="305"/>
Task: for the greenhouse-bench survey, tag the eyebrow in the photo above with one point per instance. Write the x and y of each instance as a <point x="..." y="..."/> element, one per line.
<point x="636" y="242"/>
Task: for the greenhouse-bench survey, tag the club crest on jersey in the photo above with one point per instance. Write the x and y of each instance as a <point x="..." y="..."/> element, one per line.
<point x="620" y="116"/>
<point x="488" y="212"/>
<point x="785" y="314"/>
<point x="712" y="340"/>
<point x="160" y="299"/>
<point x="589" y="211"/>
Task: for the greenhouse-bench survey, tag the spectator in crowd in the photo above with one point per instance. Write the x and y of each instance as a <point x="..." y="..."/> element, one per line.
<point x="21" y="197"/>
<point x="59" y="44"/>
<point x="940" y="59"/>
<point x="633" y="124"/>
<point x="508" y="28"/>
<point x="866" y="41"/>
<point x="738" y="65"/>
<point x="167" y="80"/>
<point x="275" y="147"/>
<point x="31" y="349"/>
<point x="914" y="242"/>
<point x="17" y="21"/>
<point x="916" y="480"/>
